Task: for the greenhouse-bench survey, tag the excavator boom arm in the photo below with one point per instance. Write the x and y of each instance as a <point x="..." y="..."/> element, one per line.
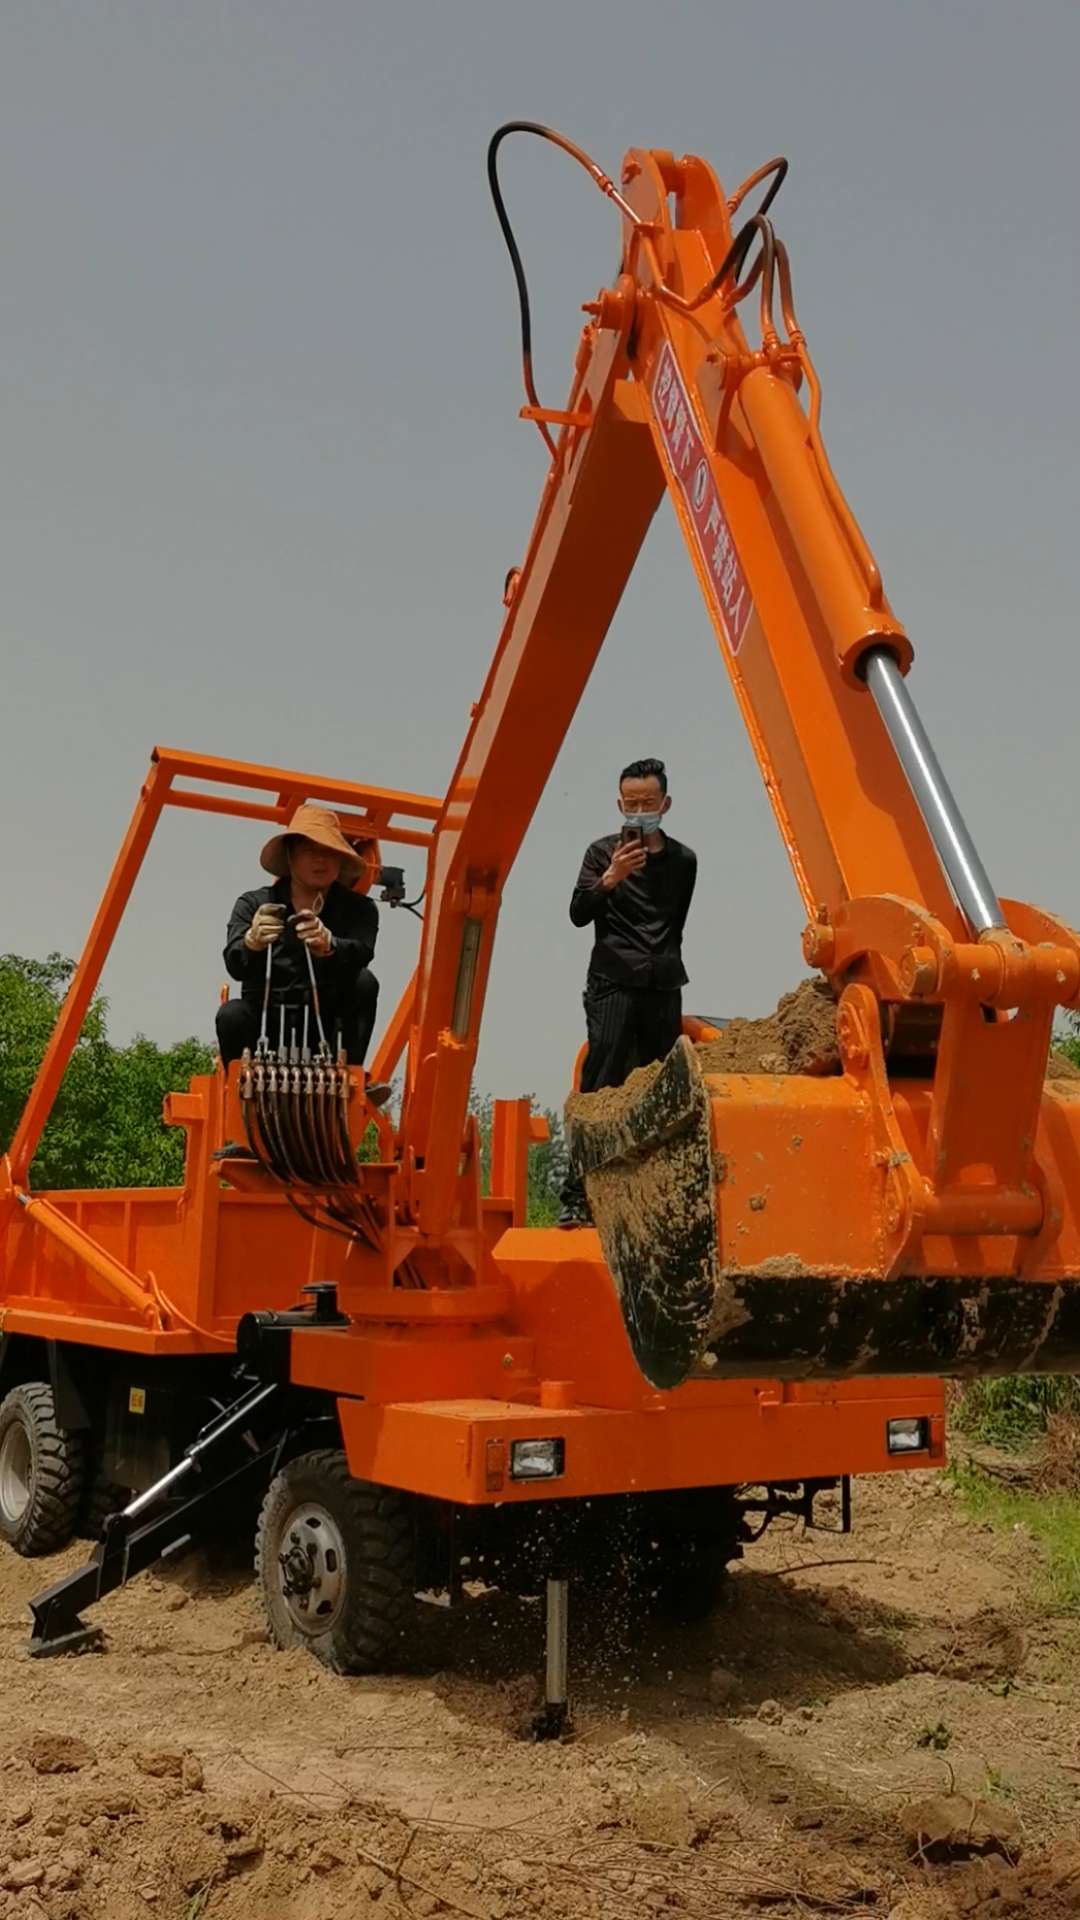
<point x="668" y="394"/>
<point x="947" y="1179"/>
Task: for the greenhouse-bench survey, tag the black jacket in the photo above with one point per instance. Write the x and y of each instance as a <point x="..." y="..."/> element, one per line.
<point x="639" y="924"/>
<point x="353" y="920"/>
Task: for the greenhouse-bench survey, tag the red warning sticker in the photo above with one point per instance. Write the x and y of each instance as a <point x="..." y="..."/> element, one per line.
<point x="693" y="475"/>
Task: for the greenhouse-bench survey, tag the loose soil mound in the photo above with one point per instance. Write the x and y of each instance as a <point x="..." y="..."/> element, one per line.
<point x="821" y="1745"/>
<point x="800" y="1037"/>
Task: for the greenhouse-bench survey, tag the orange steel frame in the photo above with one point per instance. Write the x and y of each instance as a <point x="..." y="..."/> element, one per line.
<point x="974" y="1171"/>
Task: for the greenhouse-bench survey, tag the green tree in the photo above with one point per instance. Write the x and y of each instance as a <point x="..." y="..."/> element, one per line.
<point x="547" y="1162"/>
<point x="547" y="1171"/>
<point x="105" y="1129"/>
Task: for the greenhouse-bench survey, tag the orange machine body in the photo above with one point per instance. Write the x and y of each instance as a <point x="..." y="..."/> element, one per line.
<point x="466" y="1328"/>
<point x="432" y="1384"/>
<point x="517" y="1332"/>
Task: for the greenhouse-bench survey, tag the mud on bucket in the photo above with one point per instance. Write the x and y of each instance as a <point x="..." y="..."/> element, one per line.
<point x="645" y="1153"/>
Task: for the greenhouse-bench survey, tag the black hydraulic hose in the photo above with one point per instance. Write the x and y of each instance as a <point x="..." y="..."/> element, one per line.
<point x="601" y="180"/>
<point x="733" y="262"/>
<point x="515" y="126"/>
<point x="777" y="167"/>
<point x="312" y="1219"/>
<point x="288" y="1120"/>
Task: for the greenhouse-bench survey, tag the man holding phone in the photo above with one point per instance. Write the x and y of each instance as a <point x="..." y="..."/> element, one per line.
<point x="311" y="910"/>
<point x="634" y="890"/>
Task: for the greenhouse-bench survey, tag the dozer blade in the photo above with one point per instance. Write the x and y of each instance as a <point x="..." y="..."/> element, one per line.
<point x="648" y="1168"/>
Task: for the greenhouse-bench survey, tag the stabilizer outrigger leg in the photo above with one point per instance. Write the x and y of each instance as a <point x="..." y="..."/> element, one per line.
<point x="553" y="1720"/>
<point x="129" y="1544"/>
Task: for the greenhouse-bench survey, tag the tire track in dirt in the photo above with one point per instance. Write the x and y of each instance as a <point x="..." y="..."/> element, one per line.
<point x="759" y="1763"/>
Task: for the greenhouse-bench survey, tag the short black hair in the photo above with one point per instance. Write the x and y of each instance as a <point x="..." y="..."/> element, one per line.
<point x="646" y="770"/>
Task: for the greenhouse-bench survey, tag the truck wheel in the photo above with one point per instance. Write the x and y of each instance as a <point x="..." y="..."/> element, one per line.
<point x="101" y="1497"/>
<point x="42" y="1469"/>
<point x="334" y="1558"/>
<point x="688" y="1540"/>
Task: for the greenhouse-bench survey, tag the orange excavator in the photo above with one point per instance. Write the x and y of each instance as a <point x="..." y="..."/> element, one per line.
<point x="409" y="1387"/>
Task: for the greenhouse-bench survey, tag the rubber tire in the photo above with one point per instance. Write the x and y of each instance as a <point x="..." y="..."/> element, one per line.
<point x="101" y="1498"/>
<point x="688" y="1542"/>
<point x="57" y="1473"/>
<point x="376" y="1524"/>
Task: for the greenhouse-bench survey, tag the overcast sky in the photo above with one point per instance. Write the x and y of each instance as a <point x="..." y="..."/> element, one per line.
<point x="263" y="474"/>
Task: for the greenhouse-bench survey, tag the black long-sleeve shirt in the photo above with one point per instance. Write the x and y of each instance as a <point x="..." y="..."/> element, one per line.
<point x="639" y="924"/>
<point x="353" y="920"/>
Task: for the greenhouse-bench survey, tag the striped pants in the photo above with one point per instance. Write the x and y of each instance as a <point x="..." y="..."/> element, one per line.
<point x="627" y="1027"/>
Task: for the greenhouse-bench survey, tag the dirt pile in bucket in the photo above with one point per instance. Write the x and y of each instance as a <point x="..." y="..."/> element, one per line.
<point x="800" y="1037"/>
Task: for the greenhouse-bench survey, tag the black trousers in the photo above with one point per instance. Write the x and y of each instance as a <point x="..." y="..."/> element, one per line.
<point x="627" y="1027"/>
<point x="351" y="1012"/>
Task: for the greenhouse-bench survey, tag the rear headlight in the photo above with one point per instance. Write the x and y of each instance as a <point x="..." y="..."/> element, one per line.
<point x="536" y="1459"/>
<point x="908" y="1435"/>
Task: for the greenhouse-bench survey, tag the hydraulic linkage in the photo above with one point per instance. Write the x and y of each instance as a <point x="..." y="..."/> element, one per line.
<point x="233" y="1455"/>
<point x="295" y="1101"/>
<point x="295" y="1107"/>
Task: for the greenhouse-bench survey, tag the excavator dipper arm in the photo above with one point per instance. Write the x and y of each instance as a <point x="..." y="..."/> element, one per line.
<point x="935" y="1154"/>
<point x="599" y="497"/>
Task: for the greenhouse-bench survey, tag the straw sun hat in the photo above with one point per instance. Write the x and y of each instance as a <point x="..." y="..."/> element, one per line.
<point x="322" y="826"/>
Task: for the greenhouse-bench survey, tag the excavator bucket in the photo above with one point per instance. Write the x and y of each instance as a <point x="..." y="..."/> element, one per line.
<point x="746" y="1235"/>
<point x="645" y="1152"/>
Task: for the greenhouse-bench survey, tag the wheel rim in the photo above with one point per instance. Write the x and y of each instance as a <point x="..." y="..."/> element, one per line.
<point x="311" y="1563"/>
<point x="16" y="1473"/>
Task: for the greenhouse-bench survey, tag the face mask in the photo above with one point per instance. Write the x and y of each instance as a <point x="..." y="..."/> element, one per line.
<point x="644" y="823"/>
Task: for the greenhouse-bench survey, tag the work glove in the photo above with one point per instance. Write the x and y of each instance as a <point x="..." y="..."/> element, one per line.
<point x="318" y="939"/>
<point x="265" y="928"/>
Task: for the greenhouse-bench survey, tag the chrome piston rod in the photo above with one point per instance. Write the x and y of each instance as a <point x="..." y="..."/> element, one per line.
<point x="968" y="879"/>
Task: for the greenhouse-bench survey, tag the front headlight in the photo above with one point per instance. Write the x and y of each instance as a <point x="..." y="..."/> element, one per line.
<point x="907" y="1435"/>
<point x="536" y="1459"/>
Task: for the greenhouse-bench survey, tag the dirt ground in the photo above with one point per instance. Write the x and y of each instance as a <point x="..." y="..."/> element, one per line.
<point x="765" y="1763"/>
